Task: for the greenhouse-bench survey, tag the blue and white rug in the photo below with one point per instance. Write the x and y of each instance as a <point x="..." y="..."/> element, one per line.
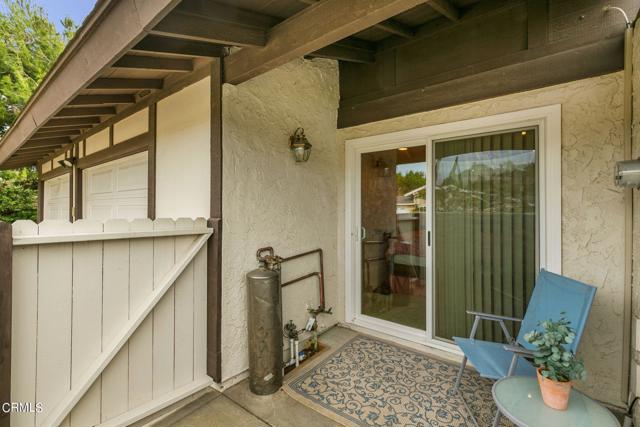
<point x="369" y="382"/>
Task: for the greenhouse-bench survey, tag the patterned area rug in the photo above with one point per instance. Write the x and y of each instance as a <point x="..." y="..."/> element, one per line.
<point x="369" y="382"/>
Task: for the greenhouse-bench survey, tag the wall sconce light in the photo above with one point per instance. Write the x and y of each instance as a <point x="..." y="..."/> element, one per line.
<point x="383" y="169"/>
<point x="67" y="162"/>
<point x="300" y="146"/>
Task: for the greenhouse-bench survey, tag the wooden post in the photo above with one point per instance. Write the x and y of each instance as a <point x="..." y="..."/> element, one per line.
<point x="40" y="195"/>
<point x="151" y="164"/>
<point x="214" y="247"/>
<point x="6" y="249"/>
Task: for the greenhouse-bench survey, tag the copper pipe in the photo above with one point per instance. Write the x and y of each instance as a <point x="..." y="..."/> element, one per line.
<point x="320" y="273"/>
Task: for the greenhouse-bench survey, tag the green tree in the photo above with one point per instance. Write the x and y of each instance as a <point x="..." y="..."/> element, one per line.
<point x="18" y="194"/>
<point x="30" y="45"/>
<point x="410" y="181"/>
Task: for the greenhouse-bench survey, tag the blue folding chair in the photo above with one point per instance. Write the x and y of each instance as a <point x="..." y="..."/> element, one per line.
<point x="552" y="295"/>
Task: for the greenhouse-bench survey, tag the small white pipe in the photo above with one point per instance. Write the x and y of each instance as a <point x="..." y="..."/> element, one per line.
<point x="291" y="349"/>
<point x="297" y="353"/>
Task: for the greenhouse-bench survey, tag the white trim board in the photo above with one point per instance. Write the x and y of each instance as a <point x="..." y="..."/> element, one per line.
<point x="546" y="119"/>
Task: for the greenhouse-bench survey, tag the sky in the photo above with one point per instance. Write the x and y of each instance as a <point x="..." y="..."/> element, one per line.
<point x="58" y="9"/>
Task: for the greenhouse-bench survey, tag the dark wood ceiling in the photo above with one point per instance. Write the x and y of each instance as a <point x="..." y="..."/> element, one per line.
<point x="194" y="31"/>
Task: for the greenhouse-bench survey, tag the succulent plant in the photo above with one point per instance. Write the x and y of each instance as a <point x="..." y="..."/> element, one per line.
<point x="554" y="360"/>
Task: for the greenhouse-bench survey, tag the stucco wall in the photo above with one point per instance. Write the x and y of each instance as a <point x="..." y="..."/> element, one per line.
<point x="183" y="154"/>
<point x="269" y="200"/>
<point x="592" y="207"/>
<point x="635" y="371"/>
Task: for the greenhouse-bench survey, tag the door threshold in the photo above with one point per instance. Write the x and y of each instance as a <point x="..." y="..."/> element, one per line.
<point x="443" y="352"/>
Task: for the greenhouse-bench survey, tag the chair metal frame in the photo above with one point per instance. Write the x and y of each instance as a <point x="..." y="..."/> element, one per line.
<point x="517" y="350"/>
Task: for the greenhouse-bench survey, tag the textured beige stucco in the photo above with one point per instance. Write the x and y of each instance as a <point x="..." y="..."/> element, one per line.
<point x="592" y="207"/>
<point x="268" y="199"/>
<point x="635" y="371"/>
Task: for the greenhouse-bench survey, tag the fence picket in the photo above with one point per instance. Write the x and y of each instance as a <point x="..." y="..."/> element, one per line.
<point x="86" y="320"/>
<point x="200" y="309"/>
<point x="54" y="319"/>
<point x="184" y="311"/>
<point x="24" y="324"/>
<point x="115" y="384"/>
<point x="163" y="314"/>
<point x="141" y="343"/>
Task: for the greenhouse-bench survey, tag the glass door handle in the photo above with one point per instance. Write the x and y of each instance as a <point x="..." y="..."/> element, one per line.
<point x="363" y="233"/>
<point x="428" y="238"/>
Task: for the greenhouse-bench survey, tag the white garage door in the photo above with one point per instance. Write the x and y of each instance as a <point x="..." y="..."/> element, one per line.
<point x="56" y="198"/>
<point x="117" y="189"/>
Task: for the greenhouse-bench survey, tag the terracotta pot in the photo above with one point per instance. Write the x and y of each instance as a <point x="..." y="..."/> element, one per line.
<point x="555" y="394"/>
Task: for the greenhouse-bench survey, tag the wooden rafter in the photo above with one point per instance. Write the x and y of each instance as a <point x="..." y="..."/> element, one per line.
<point x="389" y="25"/>
<point x="154" y="63"/>
<point x="173" y="46"/>
<point x="205" y="28"/>
<point x="350" y="50"/>
<point x="50" y="142"/>
<point x="64" y="122"/>
<point x="113" y="99"/>
<point x="394" y="27"/>
<point x="119" y="83"/>
<point x="446" y="9"/>
<point x="314" y="28"/>
<point x="54" y="134"/>
<point x="87" y="112"/>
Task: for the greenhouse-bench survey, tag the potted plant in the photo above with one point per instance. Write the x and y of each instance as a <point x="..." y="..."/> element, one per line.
<point x="557" y="366"/>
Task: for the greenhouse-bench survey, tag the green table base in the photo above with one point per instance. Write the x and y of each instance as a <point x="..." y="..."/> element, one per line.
<point x="519" y="399"/>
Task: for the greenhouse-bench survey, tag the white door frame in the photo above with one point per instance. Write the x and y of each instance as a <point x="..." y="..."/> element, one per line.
<point x="546" y="119"/>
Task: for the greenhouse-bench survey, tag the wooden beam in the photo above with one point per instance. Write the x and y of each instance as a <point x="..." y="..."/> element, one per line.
<point x="6" y="289"/>
<point x="151" y="163"/>
<point x="446" y="9"/>
<point x="173" y="46"/>
<point x="344" y="53"/>
<point x="519" y="72"/>
<point x="109" y="31"/>
<point x="390" y="25"/>
<point x="77" y="194"/>
<point x="315" y="27"/>
<point x="40" y="216"/>
<point x="214" y="246"/>
<point x="138" y="62"/>
<point x="53" y="134"/>
<point x="61" y="128"/>
<point x="49" y="142"/>
<point x="219" y="12"/>
<point x="22" y="157"/>
<point x="73" y="121"/>
<point x="201" y="28"/>
<point x="394" y="27"/>
<point x="87" y="112"/>
<point x="97" y="100"/>
<point x="119" y="83"/>
<point x="31" y="152"/>
<point x="135" y="145"/>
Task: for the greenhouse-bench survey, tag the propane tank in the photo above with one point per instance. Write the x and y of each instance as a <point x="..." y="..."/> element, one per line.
<point x="265" y="324"/>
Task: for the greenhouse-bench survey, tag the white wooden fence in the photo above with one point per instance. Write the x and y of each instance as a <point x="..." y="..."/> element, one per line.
<point x="109" y="320"/>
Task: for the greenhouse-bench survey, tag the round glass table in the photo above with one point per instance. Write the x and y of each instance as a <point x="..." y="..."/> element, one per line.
<point x="519" y="399"/>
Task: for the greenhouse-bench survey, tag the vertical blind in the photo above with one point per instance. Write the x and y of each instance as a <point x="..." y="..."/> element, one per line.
<point x="485" y="230"/>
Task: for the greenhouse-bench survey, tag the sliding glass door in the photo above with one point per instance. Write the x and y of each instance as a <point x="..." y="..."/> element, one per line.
<point x="443" y="227"/>
<point x="393" y="236"/>
<point x="485" y="225"/>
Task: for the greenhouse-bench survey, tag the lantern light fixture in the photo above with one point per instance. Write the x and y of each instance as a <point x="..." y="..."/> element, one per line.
<point x="300" y="146"/>
<point x="67" y="162"/>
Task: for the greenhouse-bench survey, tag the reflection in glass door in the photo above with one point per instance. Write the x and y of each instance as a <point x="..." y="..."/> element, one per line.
<point x="485" y="220"/>
<point x="393" y="236"/>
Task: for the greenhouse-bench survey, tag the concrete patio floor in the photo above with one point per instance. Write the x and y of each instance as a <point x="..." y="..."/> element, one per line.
<point x="237" y="406"/>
